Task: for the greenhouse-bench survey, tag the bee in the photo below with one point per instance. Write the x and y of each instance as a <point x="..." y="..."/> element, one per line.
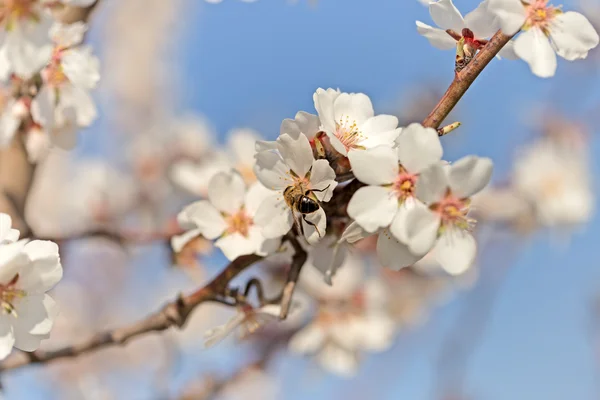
<point x="300" y="200"/>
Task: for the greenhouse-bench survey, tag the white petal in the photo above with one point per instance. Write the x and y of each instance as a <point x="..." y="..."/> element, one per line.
<point x="534" y="48"/>
<point x="573" y="35"/>
<point x="35" y="316"/>
<point x="234" y="245"/>
<point x="314" y="233"/>
<point x="7" y="337"/>
<point x="242" y="143"/>
<point x="306" y="123"/>
<point x="399" y="226"/>
<point x="511" y="14"/>
<point x="81" y="67"/>
<point x="393" y="254"/>
<point x="205" y="216"/>
<point x="324" y="100"/>
<point x="322" y="177"/>
<point x="455" y="250"/>
<point x="482" y="22"/>
<point x="43" y="106"/>
<point x="307" y="340"/>
<point x="373" y="207"/>
<point x="418" y="148"/>
<point x="377" y="331"/>
<point x="80" y="102"/>
<point x="338" y="360"/>
<point x="375" y="166"/>
<point x="508" y="51"/>
<point x="356" y="106"/>
<point x="436" y="36"/>
<point x="421" y="229"/>
<point x="67" y="35"/>
<point x="178" y="242"/>
<point x="226" y="191"/>
<point x="256" y="194"/>
<point x="7" y="234"/>
<point x="271" y="171"/>
<point x="432" y="184"/>
<point x="353" y="233"/>
<point x="296" y="153"/>
<point x="446" y="15"/>
<point x="45" y="269"/>
<point x="274" y="216"/>
<point x="469" y="175"/>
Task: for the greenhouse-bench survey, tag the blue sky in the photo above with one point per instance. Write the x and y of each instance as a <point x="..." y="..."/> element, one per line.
<point x="256" y="64"/>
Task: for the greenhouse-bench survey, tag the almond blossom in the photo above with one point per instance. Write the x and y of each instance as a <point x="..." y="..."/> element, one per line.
<point x="547" y="31"/>
<point x="391" y="176"/>
<point x="292" y="167"/>
<point x="473" y="29"/>
<point x="27" y="271"/>
<point x="229" y="216"/>
<point x="348" y="119"/>
<point x="443" y="225"/>
<point x="64" y="102"/>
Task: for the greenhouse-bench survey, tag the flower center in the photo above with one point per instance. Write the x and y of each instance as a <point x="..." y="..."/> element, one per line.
<point x="453" y="212"/>
<point x="404" y="185"/>
<point x="13" y="10"/>
<point x="8" y="294"/>
<point x="54" y="74"/>
<point x="347" y="132"/>
<point x="247" y="172"/>
<point x="239" y="222"/>
<point x="539" y="15"/>
<point x="553" y="186"/>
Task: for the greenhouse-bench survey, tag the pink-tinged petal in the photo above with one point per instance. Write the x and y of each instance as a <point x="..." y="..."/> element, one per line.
<point x="274" y="217"/>
<point x="573" y="35"/>
<point x="205" y="216"/>
<point x="324" y="100"/>
<point x="394" y="254"/>
<point x="356" y="106"/>
<point x="436" y="36"/>
<point x="373" y="207"/>
<point x="306" y="123"/>
<point x="510" y="14"/>
<point x="446" y="15"/>
<point x="469" y="175"/>
<point x="535" y="49"/>
<point x="296" y="153"/>
<point x="271" y="171"/>
<point x="308" y="340"/>
<point x="421" y="229"/>
<point x="35" y="316"/>
<point x="455" y="250"/>
<point x="226" y="191"/>
<point x="234" y="245"/>
<point x="375" y="166"/>
<point x="432" y="184"/>
<point x="316" y="230"/>
<point x="482" y="22"/>
<point x="79" y="102"/>
<point x="418" y="148"/>
<point x="322" y="177"/>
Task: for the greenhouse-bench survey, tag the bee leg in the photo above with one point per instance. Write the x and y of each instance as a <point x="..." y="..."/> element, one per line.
<point x="311" y="224"/>
<point x="316" y="191"/>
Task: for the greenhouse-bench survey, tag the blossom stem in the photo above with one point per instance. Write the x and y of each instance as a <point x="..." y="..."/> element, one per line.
<point x="298" y="262"/>
<point x="464" y="79"/>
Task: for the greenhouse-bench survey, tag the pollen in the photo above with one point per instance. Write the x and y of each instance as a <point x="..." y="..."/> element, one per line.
<point x="404" y="185"/>
<point x="239" y="222"/>
<point x="539" y="15"/>
<point x="454" y="212"/>
<point x="347" y="131"/>
<point x="9" y="294"/>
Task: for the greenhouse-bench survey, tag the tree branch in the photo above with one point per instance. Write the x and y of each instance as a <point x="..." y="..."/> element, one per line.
<point x="172" y="314"/>
<point x="464" y="79"/>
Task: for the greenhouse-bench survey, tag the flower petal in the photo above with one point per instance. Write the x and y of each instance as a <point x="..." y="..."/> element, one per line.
<point x="7" y="234"/>
<point x="573" y="36"/>
<point x="418" y="147"/>
<point x="324" y="100"/>
<point x="355" y="106"/>
<point x="307" y="340"/>
<point x="274" y="216"/>
<point x="375" y="166"/>
<point x="178" y="242"/>
<point x="271" y="171"/>
<point x="226" y="191"/>
<point x="534" y="48"/>
<point x="394" y="254"/>
<point x="482" y="22"/>
<point x="436" y="36"/>
<point x="255" y="195"/>
<point x="421" y="228"/>
<point x="469" y="175"/>
<point x="234" y="245"/>
<point x="306" y="123"/>
<point x="511" y="14"/>
<point x="296" y="153"/>
<point x="373" y="207"/>
<point x="322" y="177"/>
<point x="455" y="250"/>
<point x="315" y="232"/>
<point x="205" y="216"/>
<point x="446" y="15"/>
<point x="432" y="184"/>
<point x="7" y="337"/>
<point x="45" y="269"/>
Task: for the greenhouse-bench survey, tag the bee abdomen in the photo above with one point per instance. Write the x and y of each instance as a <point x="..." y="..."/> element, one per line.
<point x="307" y="205"/>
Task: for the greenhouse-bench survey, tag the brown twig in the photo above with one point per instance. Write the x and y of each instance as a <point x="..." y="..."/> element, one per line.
<point x="173" y="314"/>
<point x="464" y="79"/>
<point x="298" y="261"/>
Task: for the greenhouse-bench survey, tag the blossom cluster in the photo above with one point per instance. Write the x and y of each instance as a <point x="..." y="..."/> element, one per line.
<point x="46" y="74"/>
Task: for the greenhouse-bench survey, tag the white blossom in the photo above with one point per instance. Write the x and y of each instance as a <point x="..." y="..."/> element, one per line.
<point x="27" y="271"/>
<point x="293" y="166"/>
<point x="350" y="122"/>
<point x="547" y="31"/>
<point x="228" y="215"/>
